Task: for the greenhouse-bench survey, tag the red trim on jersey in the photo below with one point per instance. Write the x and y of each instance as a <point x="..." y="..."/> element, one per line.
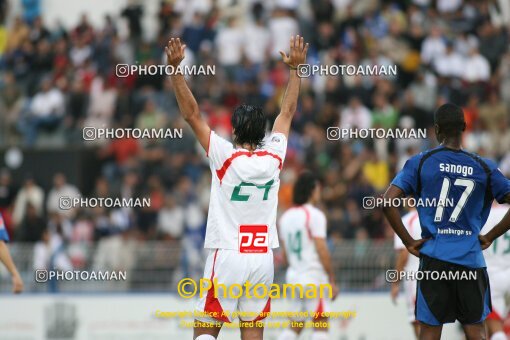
<point x="494" y="316"/>
<point x="208" y="144"/>
<point x="265" y="311"/>
<point x="320" y="309"/>
<point x="221" y="172"/>
<point x="307" y="221"/>
<point x="212" y="304"/>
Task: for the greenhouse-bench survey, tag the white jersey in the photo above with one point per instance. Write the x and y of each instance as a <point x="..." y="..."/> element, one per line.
<point x="298" y="227"/>
<point x="411" y="221"/>
<point x="497" y="256"/>
<point x="244" y="194"/>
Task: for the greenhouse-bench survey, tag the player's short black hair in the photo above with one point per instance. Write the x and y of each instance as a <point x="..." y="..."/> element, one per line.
<point x="249" y="123"/>
<point x="304" y="187"/>
<point x="450" y="119"/>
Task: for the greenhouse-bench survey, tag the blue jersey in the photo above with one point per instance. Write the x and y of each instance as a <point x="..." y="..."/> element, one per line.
<point x="3" y="231"/>
<point x="463" y="185"/>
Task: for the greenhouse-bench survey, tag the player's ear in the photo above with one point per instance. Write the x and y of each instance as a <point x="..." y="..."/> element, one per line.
<point x="437" y="131"/>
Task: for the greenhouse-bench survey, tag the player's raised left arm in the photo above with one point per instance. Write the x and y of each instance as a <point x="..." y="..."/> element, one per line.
<point x="297" y="55"/>
<point x="185" y="99"/>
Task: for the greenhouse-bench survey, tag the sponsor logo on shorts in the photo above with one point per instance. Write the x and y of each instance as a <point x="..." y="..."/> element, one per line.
<point x="253" y="239"/>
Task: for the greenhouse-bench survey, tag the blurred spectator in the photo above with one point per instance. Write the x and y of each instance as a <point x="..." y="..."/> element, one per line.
<point x="282" y="25"/>
<point x="355" y="116"/>
<point x="31" y="227"/>
<point x="11" y="104"/>
<point x="256" y="53"/>
<point x="194" y="33"/>
<point x="50" y="254"/>
<point x="38" y="32"/>
<point x="229" y="46"/>
<point x="45" y="113"/>
<point x="4" y="5"/>
<point x="61" y="189"/>
<point x="384" y="115"/>
<point x="433" y="46"/>
<point x="476" y="67"/>
<point x="171" y="219"/>
<point x="448" y="6"/>
<point x="150" y="117"/>
<point x="31" y="10"/>
<point x="7" y="191"/>
<point x="450" y="64"/>
<point x="133" y="14"/>
<point x="29" y="193"/>
<point x="376" y="171"/>
<point x="494" y="113"/>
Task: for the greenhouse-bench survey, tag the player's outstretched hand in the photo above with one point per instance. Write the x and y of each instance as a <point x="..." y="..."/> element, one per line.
<point x="297" y="54"/>
<point x="484" y="241"/>
<point x="17" y="284"/>
<point x="414" y="247"/>
<point x="174" y="52"/>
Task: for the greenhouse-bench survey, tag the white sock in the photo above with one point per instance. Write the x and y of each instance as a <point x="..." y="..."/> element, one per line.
<point x="498" y="336"/>
<point x="205" y="337"/>
<point x="320" y="335"/>
<point x="288" y="334"/>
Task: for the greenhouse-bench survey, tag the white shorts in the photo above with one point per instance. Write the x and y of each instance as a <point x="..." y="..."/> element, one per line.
<point x="310" y="306"/>
<point x="500" y="292"/>
<point x="410" y="296"/>
<point x="229" y="268"/>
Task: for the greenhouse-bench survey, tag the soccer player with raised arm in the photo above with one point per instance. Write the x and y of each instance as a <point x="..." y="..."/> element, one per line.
<point x="241" y="223"/>
<point x="6" y="259"/>
<point x="302" y="231"/>
<point x="451" y="244"/>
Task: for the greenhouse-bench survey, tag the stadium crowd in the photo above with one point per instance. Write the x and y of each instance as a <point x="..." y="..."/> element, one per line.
<point x="55" y="81"/>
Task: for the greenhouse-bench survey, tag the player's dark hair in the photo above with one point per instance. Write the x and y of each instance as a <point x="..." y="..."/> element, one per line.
<point x="249" y="123"/>
<point x="304" y="187"/>
<point x="450" y="120"/>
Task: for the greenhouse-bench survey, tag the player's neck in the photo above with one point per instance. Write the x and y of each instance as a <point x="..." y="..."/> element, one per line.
<point x="248" y="147"/>
<point x="452" y="143"/>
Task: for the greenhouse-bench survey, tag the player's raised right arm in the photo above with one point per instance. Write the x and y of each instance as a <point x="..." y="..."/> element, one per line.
<point x="187" y="103"/>
<point x="297" y="56"/>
